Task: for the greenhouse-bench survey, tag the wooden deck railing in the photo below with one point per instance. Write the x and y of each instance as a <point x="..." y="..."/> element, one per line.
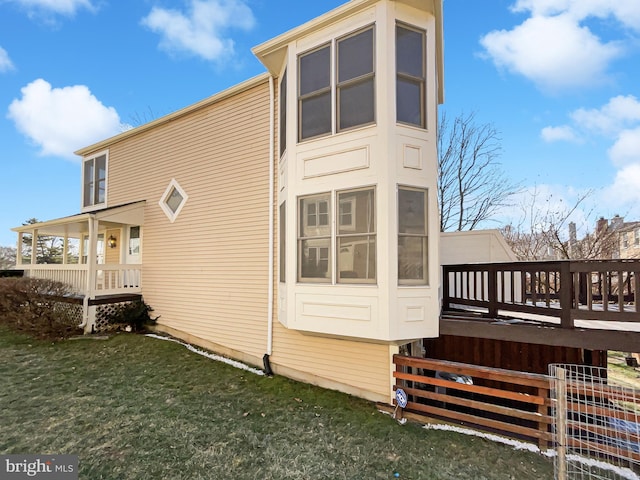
<point x="513" y="404"/>
<point x="568" y="290"/>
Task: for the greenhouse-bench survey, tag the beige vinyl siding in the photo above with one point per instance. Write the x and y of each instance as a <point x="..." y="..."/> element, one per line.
<point x="206" y="274"/>
<point x="112" y="255"/>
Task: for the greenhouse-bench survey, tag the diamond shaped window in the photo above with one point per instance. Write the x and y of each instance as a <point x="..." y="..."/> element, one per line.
<point x="173" y="200"/>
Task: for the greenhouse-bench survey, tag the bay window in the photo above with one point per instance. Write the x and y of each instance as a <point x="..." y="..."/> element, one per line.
<point x="282" y="237"/>
<point x="352" y="88"/>
<point x="410" y="75"/>
<point x="355" y="85"/>
<point x="314" y="239"/>
<point x="283" y="113"/>
<point x="314" y="90"/>
<point x="354" y="237"/>
<point x="412" y="236"/>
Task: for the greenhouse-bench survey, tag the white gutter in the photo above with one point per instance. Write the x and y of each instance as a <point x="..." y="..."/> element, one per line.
<point x="271" y="207"/>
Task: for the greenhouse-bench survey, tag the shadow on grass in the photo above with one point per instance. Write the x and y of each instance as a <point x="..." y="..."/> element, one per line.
<point x="135" y="407"/>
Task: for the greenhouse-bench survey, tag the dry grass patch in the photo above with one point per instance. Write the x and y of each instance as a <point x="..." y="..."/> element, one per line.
<point x="134" y="407"/>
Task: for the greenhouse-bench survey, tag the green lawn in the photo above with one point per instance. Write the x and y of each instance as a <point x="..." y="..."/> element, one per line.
<point x="134" y="407"/>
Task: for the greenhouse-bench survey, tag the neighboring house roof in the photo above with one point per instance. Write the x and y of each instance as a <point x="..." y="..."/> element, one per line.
<point x="128" y="213"/>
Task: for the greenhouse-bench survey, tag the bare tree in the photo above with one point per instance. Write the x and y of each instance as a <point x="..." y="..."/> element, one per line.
<point x="546" y="231"/>
<point x="7" y="257"/>
<point x="471" y="185"/>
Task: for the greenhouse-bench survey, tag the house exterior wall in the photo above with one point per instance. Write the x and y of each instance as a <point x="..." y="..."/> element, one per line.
<point x="206" y="274"/>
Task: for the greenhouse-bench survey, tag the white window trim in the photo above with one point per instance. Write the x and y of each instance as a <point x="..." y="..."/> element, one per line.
<point x="95" y="206"/>
<point x="171" y="215"/>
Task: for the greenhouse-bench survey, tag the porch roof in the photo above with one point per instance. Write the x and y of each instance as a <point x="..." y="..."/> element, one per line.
<point x="116" y="216"/>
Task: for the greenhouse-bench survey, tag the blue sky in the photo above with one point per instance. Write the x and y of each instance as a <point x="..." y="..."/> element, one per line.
<point x="559" y="79"/>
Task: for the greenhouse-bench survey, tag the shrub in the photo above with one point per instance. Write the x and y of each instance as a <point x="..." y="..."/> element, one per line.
<point x="134" y="314"/>
<point x="29" y="304"/>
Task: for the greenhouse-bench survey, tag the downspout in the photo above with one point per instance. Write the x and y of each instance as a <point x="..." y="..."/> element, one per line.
<point x="265" y="359"/>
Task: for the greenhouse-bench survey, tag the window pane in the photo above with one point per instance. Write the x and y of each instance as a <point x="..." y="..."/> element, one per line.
<point x="101" y="191"/>
<point x="412" y="212"/>
<point x="283" y="113"/>
<point x="362" y="202"/>
<point x="345" y="214"/>
<point x="315" y="259"/>
<point x="101" y="167"/>
<point x="73" y="250"/>
<point x="409" y="102"/>
<point x="134" y="241"/>
<point x="412" y="258"/>
<point x="283" y="236"/>
<point x="88" y="183"/>
<point x="314" y="213"/>
<point x="357" y="257"/>
<point x="409" y="52"/>
<point x="101" y="178"/>
<point x="315" y="71"/>
<point x="356" y="104"/>
<point x="315" y="116"/>
<point x="355" y="56"/>
<point x="174" y="200"/>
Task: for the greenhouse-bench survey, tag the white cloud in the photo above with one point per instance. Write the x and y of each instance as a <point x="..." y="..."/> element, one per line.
<point x="62" y="7"/>
<point x="626" y="187"/>
<point x="5" y="62"/>
<point x="556" y="53"/>
<point x="626" y="12"/>
<point x="618" y="119"/>
<point x="202" y="30"/>
<point x="620" y="112"/>
<point x="555" y="134"/>
<point x="61" y="120"/>
<point x="626" y="149"/>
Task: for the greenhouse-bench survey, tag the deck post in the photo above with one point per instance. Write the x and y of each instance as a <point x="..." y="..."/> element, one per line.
<point x="566" y="297"/>
<point x="492" y="274"/>
<point x="446" y="303"/>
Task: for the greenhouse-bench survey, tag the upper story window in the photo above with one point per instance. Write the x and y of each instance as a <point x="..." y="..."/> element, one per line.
<point x="410" y="75"/>
<point x="283" y="113"/>
<point x="352" y="87"/>
<point x="355" y="85"/>
<point x="94" y="183"/>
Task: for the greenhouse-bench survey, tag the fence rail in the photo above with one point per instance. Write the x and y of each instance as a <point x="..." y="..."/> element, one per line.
<point x="515" y="404"/>
<point x="108" y="279"/>
<point x="566" y="290"/>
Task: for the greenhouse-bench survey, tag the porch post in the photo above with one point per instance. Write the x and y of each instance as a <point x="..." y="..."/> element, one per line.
<point x="65" y="245"/>
<point x="19" y="250"/>
<point x="34" y="246"/>
<point x="89" y="312"/>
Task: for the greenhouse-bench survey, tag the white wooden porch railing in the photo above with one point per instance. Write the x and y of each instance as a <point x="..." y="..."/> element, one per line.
<point x="108" y="279"/>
